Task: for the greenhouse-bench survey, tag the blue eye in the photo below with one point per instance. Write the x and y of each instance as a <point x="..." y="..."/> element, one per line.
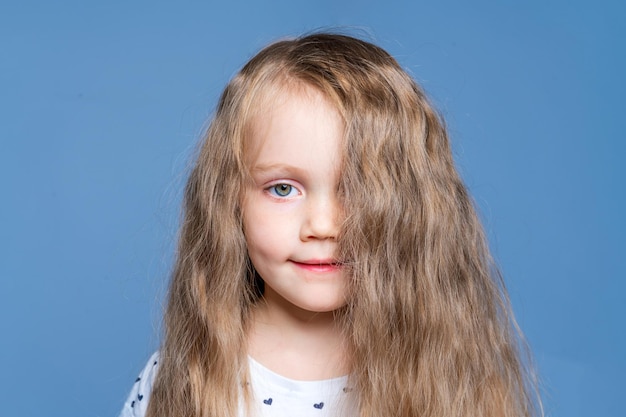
<point x="281" y="190"/>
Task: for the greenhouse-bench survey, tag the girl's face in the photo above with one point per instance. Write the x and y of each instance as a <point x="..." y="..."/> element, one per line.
<point x="290" y="209"/>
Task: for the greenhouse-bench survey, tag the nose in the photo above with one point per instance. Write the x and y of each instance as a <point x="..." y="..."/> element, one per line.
<point x="321" y="218"/>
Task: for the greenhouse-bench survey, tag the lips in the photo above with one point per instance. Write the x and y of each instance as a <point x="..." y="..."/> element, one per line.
<point x="318" y="265"/>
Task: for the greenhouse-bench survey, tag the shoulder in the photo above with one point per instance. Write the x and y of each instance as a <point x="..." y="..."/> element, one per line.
<point x="137" y="402"/>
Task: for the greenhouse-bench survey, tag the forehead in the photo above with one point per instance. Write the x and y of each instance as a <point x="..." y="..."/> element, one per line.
<point x="297" y="118"/>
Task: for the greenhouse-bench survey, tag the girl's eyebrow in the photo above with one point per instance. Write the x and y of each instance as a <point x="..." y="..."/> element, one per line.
<point x="279" y="168"/>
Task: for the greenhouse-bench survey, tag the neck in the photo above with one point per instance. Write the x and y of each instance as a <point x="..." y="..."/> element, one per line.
<point x="296" y="343"/>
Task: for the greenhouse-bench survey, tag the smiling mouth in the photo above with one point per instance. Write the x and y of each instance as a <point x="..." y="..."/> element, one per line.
<point x="322" y="265"/>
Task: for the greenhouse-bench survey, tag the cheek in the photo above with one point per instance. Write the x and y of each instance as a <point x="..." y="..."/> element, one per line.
<point x="267" y="232"/>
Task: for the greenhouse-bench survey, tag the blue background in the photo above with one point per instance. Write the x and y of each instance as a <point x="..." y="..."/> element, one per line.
<point x="102" y="104"/>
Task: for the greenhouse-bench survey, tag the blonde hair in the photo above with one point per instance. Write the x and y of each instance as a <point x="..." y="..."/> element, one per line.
<point x="427" y="318"/>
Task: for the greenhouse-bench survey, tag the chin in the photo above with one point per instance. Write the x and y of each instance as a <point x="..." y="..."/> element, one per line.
<point x="323" y="308"/>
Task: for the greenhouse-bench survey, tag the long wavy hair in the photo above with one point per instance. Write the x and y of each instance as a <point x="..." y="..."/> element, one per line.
<point x="428" y="323"/>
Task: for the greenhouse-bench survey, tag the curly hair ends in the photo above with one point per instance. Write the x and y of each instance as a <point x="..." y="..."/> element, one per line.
<point x="428" y="320"/>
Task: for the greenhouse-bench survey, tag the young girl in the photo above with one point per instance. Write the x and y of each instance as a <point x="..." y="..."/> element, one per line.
<point x="330" y="260"/>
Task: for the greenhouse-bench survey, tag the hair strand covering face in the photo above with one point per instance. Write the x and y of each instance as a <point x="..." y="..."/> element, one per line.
<point x="427" y="317"/>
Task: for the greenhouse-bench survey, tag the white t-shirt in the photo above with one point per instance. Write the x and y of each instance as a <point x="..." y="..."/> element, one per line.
<point x="273" y="394"/>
